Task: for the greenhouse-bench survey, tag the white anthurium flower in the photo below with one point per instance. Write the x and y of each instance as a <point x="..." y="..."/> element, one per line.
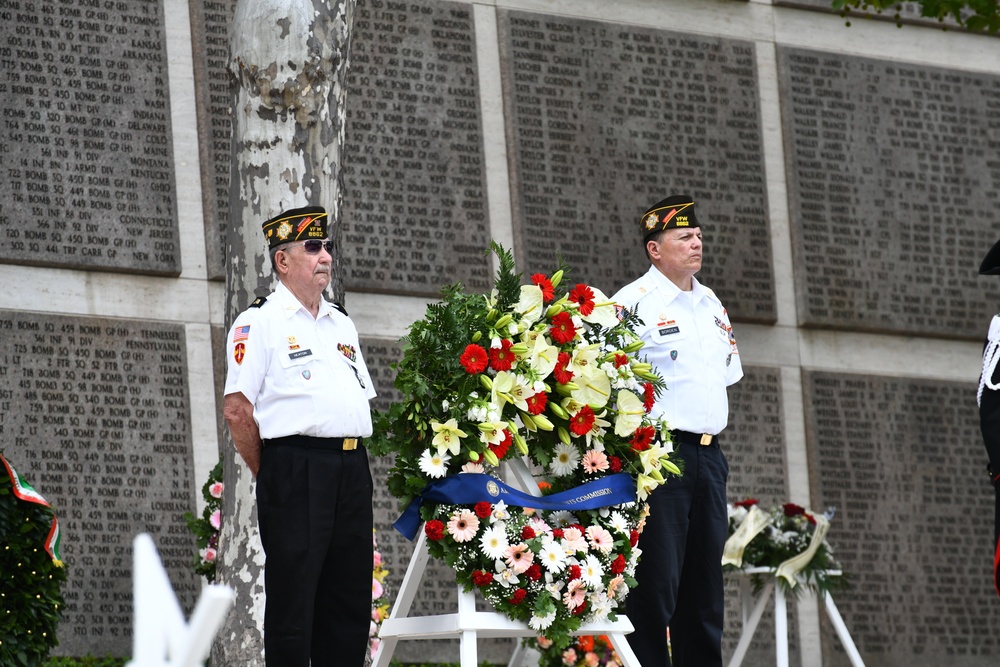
<point x="544" y="356"/>
<point x="530" y="304"/>
<point x="630" y="412"/>
<point x="593" y="388"/>
<point x="604" y="312"/>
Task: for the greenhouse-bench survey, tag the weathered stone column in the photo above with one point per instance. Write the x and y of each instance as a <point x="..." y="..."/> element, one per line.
<point x="288" y="69"/>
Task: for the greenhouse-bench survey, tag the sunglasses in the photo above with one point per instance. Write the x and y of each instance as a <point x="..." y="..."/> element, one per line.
<point x="313" y="246"/>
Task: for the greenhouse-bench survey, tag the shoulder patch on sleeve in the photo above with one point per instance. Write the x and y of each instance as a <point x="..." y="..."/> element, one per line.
<point x="340" y="308"/>
<point x="258" y="302"/>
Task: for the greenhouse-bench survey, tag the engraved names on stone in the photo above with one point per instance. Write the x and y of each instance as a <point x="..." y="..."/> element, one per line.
<point x="94" y="412"/>
<point x="210" y="23"/>
<point x="892" y="185"/>
<point x="87" y="176"/>
<point x="901" y="460"/>
<point x="415" y="215"/>
<point x="607" y="119"/>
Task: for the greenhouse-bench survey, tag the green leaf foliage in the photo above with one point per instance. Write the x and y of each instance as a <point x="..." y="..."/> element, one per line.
<point x="974" y="15"/>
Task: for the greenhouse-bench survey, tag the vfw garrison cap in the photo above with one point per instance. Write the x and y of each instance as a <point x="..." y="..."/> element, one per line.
<point x="297" y="224"/>
<point x="673" y="212"/>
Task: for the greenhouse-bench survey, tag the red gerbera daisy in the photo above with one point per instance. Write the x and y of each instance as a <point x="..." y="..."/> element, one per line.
<point x="583" y="297"/>
<point x="648" y="396"/>
<point x="501" y="358"/>
<point x="474" y="359"/>
<point x="562" y="329"/>
<point x="582" y="421"/>
<point x="560" y="373"/>
<point x="537" y="403"/>
<point x="548" y="291"/>
<point x="501" y="449"/>
<point x="643" y="438"/>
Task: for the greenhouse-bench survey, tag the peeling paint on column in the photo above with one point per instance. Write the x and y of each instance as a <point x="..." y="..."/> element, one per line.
<point x="288" y="72"/>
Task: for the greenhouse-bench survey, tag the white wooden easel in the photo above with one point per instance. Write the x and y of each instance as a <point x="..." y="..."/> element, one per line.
<point x="752" y="610"/>
<point x="469" y="625"/>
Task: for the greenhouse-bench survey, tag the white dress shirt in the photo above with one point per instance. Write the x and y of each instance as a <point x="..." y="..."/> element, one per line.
<point x="690" y="343"/>
<point x="304" y="376"/>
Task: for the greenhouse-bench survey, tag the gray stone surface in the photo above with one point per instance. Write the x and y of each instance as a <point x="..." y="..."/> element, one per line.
<point x="94" y="413"/>
<point x="88" y="177"/>
<point x="415" y="195"/>
<point x="902" y="461"/>
<point x="605" y="120"/>
<point x="893" y="191"/>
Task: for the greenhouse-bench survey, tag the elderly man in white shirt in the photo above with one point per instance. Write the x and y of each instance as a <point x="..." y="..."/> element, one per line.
<point x="690" y="343"/>
<point x="297" y="395"/>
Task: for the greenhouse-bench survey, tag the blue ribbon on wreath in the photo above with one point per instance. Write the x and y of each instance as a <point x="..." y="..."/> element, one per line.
<point x="471" y="488"/>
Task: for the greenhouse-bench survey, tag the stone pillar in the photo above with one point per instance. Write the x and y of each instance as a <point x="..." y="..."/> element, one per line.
<point x="288" y="68"/>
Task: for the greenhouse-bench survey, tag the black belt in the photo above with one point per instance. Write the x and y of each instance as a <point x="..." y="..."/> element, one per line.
<point x="346" y="444"/>
<point x="695" y="438"/>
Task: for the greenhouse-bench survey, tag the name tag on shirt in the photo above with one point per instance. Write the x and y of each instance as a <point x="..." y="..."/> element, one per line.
<point x="667" y="328"/>
<point x="300" y="354"/>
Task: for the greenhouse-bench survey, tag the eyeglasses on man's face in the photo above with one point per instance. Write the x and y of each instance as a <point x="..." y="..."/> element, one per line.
<point x="313" y="246"/>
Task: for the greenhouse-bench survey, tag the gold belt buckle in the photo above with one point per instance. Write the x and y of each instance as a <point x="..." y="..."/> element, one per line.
<point x="350" y="444"/>
<point x="706" y="439"/>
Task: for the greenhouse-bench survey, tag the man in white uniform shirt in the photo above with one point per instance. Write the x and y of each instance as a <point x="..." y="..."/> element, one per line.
<point x="691" y="345"/>
<point x="297" y="395"/>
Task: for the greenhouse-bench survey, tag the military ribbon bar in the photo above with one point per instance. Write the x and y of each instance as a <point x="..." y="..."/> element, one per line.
<point x="24" y="491"/>
<point x="471" y="488"/>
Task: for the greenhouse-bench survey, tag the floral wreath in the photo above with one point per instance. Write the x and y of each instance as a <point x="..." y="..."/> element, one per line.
<point x="521" y="373"/>
<point x="783" y="539"/>
<point x="585" y="651"/>
<point x="206" y="527"/>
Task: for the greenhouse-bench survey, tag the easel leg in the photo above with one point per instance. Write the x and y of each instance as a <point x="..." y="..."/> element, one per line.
<point x="780" y="627"/>
<point x="467" y="610"/>
<point x="845" y="637"/>
<point x="624" y="651"/>
<point x="407" y="591"/>
<point x="751" y="626"/>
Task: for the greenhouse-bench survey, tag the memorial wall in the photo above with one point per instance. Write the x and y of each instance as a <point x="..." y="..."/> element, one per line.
<point x="845" y="182"/>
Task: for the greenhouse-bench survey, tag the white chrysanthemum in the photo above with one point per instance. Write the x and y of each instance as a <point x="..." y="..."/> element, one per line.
<point x="619" y="523"/>
<point x="494" y="541"/>
<point x="553" y="557"/>
<point x="566" y="458"/>
<point x="434" y="464"/>
<point x="539" y="623"/>
<point x="592" y="572"/>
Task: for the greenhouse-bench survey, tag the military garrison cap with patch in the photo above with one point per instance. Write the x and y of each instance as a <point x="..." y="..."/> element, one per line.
<point x="297" y="224"/>
<point x="673" y="212"/>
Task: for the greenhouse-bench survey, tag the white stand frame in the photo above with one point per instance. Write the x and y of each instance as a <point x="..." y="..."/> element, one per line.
<point x="752" y="611"/>
<point x="469" y="625"/>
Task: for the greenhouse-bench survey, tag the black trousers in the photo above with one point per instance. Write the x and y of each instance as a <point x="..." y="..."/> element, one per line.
<point x="314" y="509"/>
<point x="680" y="570"/>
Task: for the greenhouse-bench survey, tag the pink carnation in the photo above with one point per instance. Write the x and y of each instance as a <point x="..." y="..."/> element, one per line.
<point x="377" y="589"/>
<point x="377" y="559"/>
<point x="215" y="490"/>
<point x="216" y="519"/>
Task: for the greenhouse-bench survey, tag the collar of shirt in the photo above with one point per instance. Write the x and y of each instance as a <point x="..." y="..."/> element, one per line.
<point x="670" y="291"/>
<point x="291" y="305"/>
